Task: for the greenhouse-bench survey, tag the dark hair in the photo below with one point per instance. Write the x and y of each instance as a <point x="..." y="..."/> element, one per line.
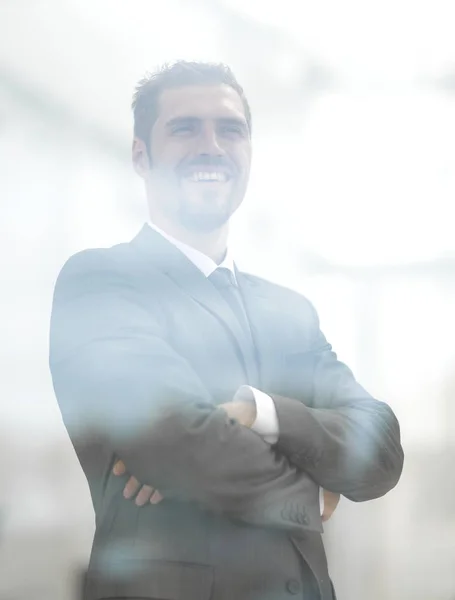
<point x="180" y="73"/>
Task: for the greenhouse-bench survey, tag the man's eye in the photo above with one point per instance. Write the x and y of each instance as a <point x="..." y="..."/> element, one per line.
<point x="233" y="130"/>
<point x="182" y="129"/>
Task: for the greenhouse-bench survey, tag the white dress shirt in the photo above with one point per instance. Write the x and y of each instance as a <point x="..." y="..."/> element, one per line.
<point x="266" y="423"/>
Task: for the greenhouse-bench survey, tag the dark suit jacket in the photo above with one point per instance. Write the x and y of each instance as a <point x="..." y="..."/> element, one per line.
<point x="142" y="350"/>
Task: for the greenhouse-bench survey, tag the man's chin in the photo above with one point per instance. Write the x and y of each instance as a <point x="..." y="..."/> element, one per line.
<point x="207" y="212"/>
<point x="203" y="222"/>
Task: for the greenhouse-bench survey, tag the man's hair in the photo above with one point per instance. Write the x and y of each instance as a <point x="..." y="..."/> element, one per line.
<point x="148" y="90"/>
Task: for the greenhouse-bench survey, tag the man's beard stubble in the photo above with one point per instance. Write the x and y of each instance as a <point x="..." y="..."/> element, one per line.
<point x="178" y="208"/>
<point x="203" y="222"/>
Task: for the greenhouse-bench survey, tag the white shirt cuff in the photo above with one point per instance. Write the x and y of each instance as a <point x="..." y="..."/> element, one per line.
<point x="266" y="423"/>
<point x="321" y="500"/>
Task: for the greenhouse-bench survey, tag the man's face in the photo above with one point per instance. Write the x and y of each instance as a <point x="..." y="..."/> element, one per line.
<point x="200" y="151"/>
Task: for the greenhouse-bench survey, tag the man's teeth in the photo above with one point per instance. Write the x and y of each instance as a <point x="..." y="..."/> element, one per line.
<point x="206" y="176"/>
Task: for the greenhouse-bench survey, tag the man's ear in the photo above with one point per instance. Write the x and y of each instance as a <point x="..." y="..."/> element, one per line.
<point x="140" y="157"/>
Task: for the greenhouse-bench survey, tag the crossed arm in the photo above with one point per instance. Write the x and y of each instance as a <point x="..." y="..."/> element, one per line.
<point x="245" y="414"/>
<point x="117" y="378"/>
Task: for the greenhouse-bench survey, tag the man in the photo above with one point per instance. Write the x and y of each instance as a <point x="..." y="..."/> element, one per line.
<point x="215" y="390"/>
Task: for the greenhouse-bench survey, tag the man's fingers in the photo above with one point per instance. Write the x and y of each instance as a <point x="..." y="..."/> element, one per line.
<point x="156" y="497"/>
<point x="330" y="503"/>
<point x="144" y="495"/>
<point x="131" y="488"/>
<point x="119" y="468"/>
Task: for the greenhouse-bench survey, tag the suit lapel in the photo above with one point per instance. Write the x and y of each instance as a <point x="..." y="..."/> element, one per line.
<point x="169" y="260"/>
<point x="264" y="318"/>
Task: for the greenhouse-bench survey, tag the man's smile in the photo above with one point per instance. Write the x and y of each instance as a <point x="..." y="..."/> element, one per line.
<point x="212" y="176"/>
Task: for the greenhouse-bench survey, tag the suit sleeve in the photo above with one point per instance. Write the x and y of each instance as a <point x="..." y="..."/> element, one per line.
<point x="345" y="439"/>
<point x="118" y="380"/>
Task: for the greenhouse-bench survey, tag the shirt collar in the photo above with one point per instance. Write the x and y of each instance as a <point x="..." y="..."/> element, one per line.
<point x="203" y="262"/>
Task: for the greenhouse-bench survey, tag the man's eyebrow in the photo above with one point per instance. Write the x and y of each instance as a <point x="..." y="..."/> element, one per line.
<point x="191" y="120"/>
<point x="180" y="120"/>
<point x="233" y="121"/>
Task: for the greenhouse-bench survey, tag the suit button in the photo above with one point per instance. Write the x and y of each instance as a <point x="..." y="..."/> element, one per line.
<point x="293" y="587"/>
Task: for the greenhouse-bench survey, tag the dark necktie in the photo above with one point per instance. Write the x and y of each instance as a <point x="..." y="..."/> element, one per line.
<point x="224" y="281"/>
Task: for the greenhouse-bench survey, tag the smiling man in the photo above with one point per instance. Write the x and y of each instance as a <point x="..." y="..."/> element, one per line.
<point x="208" y="411"/>
<point x="192" y="186"/>
<point x="195" y="159"/>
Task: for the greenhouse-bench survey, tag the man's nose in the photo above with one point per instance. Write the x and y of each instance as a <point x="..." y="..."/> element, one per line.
<point x="209" y="142"/>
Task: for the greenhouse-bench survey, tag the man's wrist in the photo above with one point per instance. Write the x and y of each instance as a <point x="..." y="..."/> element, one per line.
<point x="242" y="411"/>
<point x="266" y="421"/>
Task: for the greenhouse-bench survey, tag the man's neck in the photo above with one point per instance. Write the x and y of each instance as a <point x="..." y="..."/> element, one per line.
<point x="213" y="244"/>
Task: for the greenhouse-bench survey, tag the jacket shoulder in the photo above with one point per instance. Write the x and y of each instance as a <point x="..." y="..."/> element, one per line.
<point x="118" y="259"/>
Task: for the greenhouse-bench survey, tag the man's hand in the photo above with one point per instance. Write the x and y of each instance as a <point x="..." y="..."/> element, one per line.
<point x="330" y="503"/>
<point x="241" y="411"/>
<point x="146" y="492"/>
